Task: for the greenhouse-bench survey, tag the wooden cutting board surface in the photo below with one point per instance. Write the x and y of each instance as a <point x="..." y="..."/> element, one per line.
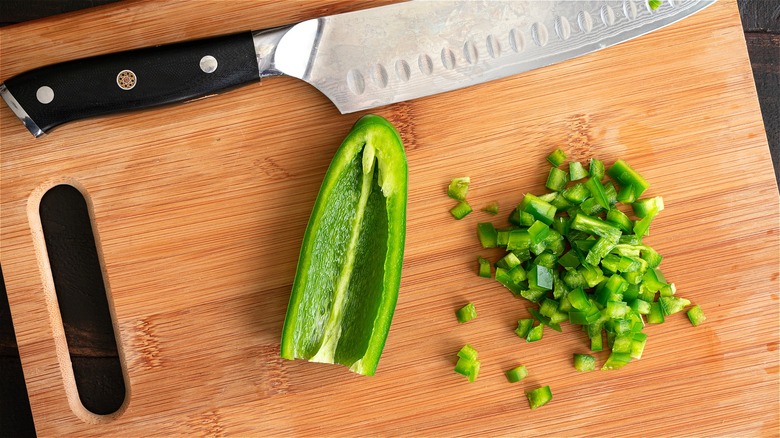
<point x="200" y="209"/>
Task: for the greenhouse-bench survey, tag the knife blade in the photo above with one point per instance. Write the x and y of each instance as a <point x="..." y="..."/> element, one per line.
<point x="359" y="60"/>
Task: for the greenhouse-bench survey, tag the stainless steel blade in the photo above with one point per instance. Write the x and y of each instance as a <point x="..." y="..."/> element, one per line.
<point x="374" y="57"/>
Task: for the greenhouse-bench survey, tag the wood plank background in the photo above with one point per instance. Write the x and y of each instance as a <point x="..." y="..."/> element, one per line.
<point x="760" y="42"/>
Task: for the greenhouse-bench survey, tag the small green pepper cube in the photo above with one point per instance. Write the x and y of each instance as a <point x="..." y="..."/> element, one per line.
<point x="616" y="309"/>
<point x="518" y="239"/>
<point x="596" y="169"/>
<point x="487" y="234"/>
<point x="626" y="194"/>
<point x="458" y="188"/>
<point x="656" y="315"/>
<point x="509" y="261"/>
<point x="672" y="305"/>
<point x="535" y="334"/>
<point x="616" y="361"/>
<point x="625" y="175"/>
<point x="622" y="343"/>
<point x="491" y="208"/>
<point x="596" y="190"/>
<point x="557" y="157"/>
<point x="576" y="171"/>
<point x="638" y="343"/>
<point x="516" y="374"/>
<point x="484" y="267"/>
<point x="466" y="313"/>
<point x="468" y="352"/>
<point x="584" y="362"/>
<point x="540" y="278"/>
<point x="539" y="208"/>
<point x="538" y="232"/>
<point x="696" y="315"/>
<point x="557" y="179"/>
<point x="539" y="397"/>
<point x="597" y="342"/>
<point x="576" y="194"/>
<point x="461" y="210"/>
<point x="523" y="327"/>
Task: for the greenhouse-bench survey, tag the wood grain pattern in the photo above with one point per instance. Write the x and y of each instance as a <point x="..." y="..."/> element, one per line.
<point x="200" y="208"/>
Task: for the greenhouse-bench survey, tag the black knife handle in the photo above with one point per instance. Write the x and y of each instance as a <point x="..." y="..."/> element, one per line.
<point x="51" y="95"/>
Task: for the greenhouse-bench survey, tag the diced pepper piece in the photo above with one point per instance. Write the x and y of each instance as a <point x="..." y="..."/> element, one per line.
<point x="468" y="368"/>
<point x="626" y="194"/>
<point x="540" y="278"/>
<point x="576" y="194"/>
<point x="516" y="374"/>
<point x="621" y="220"/>
<point x="596" y="169"/>
<point x="544" y="320"/>
<point x="341" y="304"/>
<point x="524" y="326"/>
<point x="597" y="192"/>
<point x="648" y="206"/>
<point x="468" y="352"/>
<point x="466" y="313"/>
<point x="596" y="342"/>
<point x="502" y="237"/>
<point x="491" y="208"/>
<point x="576" y="171"/>
<point x="616" y="309"/>
<point x="638" y="343"/>
<point x="557" y="157"/>
<point x="509" y="261"/>
<point x="640" y="306"/>
<point x="656" y="315"/>
<point x="652" y="257"/>
<point x="538" y="232"/>
<point x="503" y="277"/>
<point x="611" y="192"/>
<point x="458" y="188"/>
<point x="548" y="307"/>
<point x="672" y="305"/>
<point x="584" y="362"/>
<point x="696" y="315"/>
<point x="461" y="210"/>
<point x="540" y="209"/>
<point x="557" y="179"/>
<point x="518" y="239"/>
<point x="621" y="172"/>
<point x="591" y="225"/>
<point x="487" y="234"/>
<point x="616" y="361"/>
<point x="484" y="267"/>
<point x="622" y="343"/>
<point x="579" y="299"/>
<point x="539" y="397"/>
<point x="569" y="260"/>
<point x="535" y="333"/>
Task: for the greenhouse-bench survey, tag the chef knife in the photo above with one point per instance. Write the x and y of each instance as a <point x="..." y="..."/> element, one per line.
<point x="359" y="60"/>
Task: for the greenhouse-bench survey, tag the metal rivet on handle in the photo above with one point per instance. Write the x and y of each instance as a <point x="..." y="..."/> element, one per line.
<point x="44" y="94"/>
<point x="208" y="64"/>
<point x="126" y="80"/>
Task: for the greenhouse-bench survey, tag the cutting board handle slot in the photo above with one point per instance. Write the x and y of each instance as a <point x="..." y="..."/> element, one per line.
<point x="79" y="302"/>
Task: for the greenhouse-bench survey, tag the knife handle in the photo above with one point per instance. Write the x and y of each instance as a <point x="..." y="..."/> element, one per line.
<point x="142" y="78"/>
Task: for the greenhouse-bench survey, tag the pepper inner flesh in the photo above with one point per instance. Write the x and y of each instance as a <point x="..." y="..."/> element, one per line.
<point x="348" y="281"/>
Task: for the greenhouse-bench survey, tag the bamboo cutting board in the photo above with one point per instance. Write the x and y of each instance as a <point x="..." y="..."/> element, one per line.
<point x="200" y="208"/>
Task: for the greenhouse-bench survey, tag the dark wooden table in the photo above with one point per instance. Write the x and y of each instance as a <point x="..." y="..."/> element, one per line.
<point x="761" y="22"/>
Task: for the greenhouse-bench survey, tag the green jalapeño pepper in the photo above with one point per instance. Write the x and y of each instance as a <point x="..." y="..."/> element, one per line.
<point x="349" y="269"/>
